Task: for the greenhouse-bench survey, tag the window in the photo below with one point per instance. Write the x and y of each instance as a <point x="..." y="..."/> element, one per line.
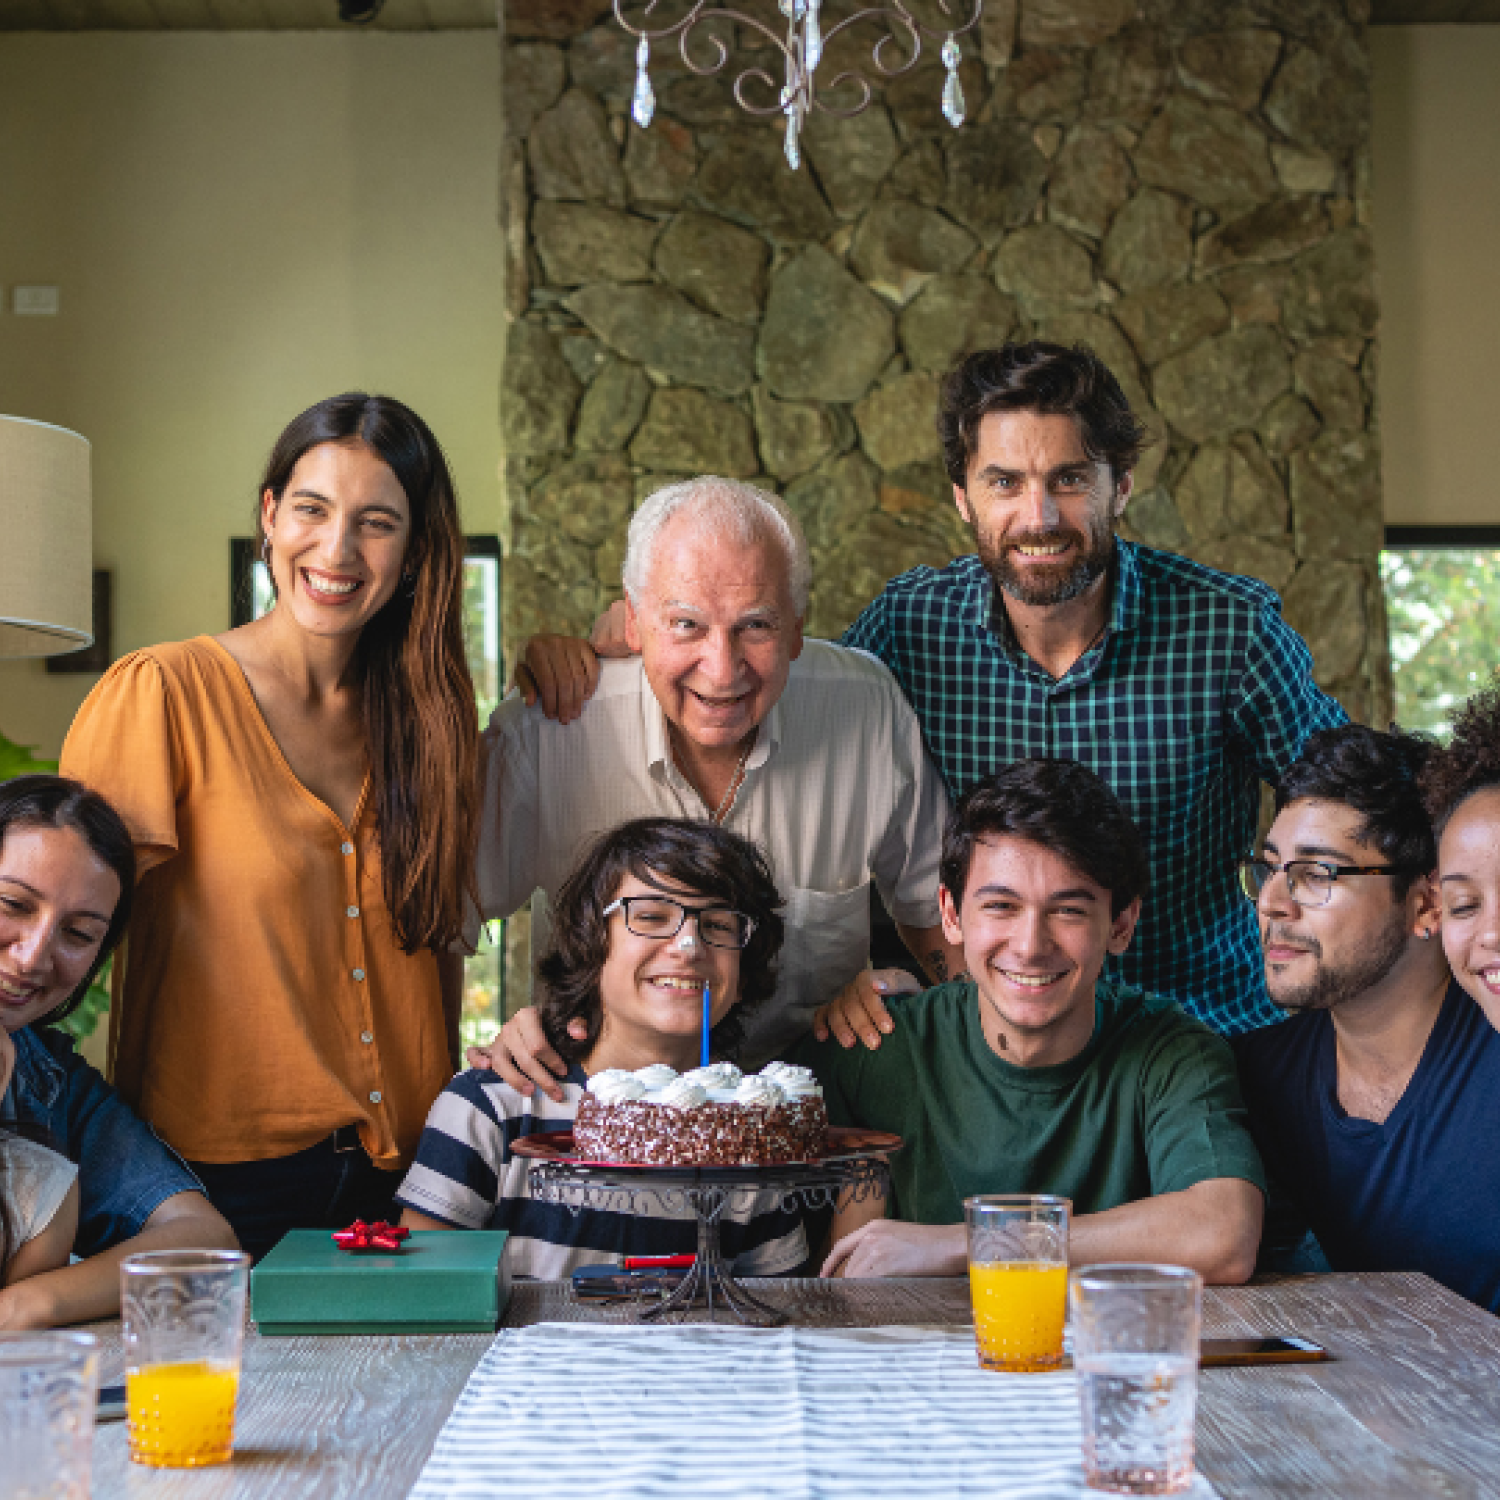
<point x="250" y="597"/>
<point x="1442" y="598"/>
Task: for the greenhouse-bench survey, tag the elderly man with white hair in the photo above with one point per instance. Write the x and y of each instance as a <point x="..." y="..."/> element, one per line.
<point x="727" y="714"/>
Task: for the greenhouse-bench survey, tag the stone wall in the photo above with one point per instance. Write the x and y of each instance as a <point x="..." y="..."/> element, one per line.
<point x="1182" y="184"/>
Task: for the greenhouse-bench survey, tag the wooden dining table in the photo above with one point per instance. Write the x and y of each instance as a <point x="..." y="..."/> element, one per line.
<point x="1408" y="1406"/>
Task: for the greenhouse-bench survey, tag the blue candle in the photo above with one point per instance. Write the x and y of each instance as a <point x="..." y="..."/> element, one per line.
<point x="707" y="1023"/>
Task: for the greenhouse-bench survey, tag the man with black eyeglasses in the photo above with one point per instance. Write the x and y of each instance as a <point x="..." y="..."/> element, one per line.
<point x="1376" y="1107"/>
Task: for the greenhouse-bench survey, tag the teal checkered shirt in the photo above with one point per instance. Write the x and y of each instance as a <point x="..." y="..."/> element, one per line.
<point x="1196" y="692"/>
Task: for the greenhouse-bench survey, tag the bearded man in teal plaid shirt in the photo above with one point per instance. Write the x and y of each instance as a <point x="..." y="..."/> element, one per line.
<point x="1181" y="686"/>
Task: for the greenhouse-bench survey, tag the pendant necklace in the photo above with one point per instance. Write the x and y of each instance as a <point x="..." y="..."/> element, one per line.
<point x="725" y="807"/>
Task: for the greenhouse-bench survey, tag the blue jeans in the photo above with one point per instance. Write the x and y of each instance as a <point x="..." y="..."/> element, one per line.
<point x="319" y="1188"/>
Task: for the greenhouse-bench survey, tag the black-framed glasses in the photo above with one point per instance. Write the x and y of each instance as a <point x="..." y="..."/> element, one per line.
<point x="662" y="917"/>
<point x="1309" y="882"/>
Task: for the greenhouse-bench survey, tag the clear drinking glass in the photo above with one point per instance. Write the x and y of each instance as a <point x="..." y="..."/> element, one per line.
<point x="1135" y="1347"/>
<point x="183" y="1322"/>
<point x="49" y="1383"/>
<point x="1018" y="1278"/>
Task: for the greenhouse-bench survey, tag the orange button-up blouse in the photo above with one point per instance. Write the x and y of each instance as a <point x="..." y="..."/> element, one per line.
<point x="265" y="1001"/>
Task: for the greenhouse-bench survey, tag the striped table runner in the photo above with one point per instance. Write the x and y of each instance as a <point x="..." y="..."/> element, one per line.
<point x="581" y="1411"/>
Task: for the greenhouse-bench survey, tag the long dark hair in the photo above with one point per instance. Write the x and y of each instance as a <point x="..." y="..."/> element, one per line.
<point x="421" y="725"/>
<point x="700" y="857"/>
<point x="56" y="802"/>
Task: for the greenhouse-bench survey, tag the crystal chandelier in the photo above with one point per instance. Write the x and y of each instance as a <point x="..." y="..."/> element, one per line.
<point x="802" y="46"/>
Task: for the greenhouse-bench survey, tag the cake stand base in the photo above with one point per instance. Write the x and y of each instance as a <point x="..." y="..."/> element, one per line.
<point x="704" y="1193"/>
<point x="709" y="1281"/>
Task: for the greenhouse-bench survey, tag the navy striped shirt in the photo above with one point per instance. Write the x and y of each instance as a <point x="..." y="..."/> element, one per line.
<point x="465" y="1175"/>
<point x="1196" y="692"/>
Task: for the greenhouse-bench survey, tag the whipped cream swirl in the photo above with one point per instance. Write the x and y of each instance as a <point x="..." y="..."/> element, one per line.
<point x="683" y="1093"/>
<point x="616" y="1086"/>
<point x="719" y="1075"/>
<point x="759" y="1091"/>
<point x="655" y="1076"/>
<point x="794" y="1082"/>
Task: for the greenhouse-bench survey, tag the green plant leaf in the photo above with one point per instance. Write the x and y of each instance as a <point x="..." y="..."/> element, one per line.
<point x="18" y="760"/>
<point x="85" y="1020"/>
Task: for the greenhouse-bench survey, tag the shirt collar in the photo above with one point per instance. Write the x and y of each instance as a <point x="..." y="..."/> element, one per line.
<point x="1125" y="612"/>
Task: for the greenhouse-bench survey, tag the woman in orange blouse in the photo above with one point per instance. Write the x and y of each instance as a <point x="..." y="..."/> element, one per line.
<point x="301" y="794"/>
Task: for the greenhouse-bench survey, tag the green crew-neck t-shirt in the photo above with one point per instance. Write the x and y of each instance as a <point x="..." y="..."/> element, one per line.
<point x="1151" y="1105"/>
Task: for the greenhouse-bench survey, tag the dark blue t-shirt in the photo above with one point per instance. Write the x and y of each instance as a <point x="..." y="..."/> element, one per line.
<point x="1420" y="1192"/>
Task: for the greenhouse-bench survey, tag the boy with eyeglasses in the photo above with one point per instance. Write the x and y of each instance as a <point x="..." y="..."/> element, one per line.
<point x="1376" y="1107"/>
<point x="656" y="911"/>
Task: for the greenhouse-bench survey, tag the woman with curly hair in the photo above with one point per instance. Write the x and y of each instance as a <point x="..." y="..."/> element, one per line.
<point x="1461" y="787"/>
<point x="656" y="911"/>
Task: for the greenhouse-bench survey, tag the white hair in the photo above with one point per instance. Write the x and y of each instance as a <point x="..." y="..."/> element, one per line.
<point x="733" y="512"/>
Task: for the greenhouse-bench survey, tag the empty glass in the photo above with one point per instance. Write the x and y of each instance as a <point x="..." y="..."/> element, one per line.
<point x="182" y="1317"/>
<point x="1018" y="1278"/>
<point x="49" y="1383"/>
<point x="1135" y="1347"/>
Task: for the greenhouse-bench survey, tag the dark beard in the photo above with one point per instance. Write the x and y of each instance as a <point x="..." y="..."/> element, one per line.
<point x="1046" y="586"/>
<point x="1329" y="988"/>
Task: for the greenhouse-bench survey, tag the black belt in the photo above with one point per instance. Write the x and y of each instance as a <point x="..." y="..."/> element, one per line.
<point x="346" y="1138"/>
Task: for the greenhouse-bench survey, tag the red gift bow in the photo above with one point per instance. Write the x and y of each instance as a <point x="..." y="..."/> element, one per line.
<point x="377" y="1236"/>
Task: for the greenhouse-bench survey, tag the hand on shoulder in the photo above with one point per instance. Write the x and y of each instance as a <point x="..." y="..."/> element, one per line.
<point x="858" y="1011"/>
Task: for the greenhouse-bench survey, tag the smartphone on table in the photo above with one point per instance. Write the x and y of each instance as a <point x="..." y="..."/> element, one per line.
<point x="1285" y="1349"/>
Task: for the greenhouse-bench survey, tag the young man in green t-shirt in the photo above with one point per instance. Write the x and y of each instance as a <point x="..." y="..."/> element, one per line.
<point x="1034" y="1075"/>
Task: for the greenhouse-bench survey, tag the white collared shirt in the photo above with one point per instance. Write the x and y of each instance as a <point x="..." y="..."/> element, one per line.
<point x="838" y="790"/>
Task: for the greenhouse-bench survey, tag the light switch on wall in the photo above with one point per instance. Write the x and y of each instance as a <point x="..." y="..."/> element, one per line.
<point x="36" y="301"/>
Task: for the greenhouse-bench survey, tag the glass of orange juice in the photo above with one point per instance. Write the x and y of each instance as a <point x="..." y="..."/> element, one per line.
<point x="182" y="1318"/>
<point x="1018" y="1278"/>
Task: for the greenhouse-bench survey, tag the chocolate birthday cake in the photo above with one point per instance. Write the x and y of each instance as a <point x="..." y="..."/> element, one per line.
<point x="712" y="1117"/>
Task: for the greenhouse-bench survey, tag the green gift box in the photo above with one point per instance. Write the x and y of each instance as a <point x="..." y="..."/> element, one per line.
<point x="440" y="1281"/>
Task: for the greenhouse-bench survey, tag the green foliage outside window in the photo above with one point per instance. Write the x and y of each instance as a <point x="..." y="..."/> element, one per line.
<point x="1444" y="611"/>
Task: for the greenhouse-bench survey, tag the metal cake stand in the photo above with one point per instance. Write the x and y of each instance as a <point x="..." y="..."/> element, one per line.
<point x="854" y="1164"/>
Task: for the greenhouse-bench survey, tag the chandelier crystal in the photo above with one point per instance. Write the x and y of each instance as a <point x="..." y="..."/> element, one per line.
<point x="803" y="43"/>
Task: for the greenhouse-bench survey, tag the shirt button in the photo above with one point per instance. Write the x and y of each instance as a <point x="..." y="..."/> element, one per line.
<point x="346" y="848"/>
<point x="375" y="1097"/>
<point x="359" y="973"/>
<point x="352" y="912"/>
<point x="366" y="1037"/>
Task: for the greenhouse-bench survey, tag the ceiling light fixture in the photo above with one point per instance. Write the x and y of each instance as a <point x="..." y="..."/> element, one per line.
<point x="803" y="47"/>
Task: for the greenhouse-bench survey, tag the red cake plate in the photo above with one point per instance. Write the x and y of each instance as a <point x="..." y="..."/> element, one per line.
<point x="854" y="1163"/>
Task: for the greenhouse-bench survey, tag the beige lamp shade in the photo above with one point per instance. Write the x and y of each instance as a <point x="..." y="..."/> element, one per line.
<point x="46" y="540"/>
